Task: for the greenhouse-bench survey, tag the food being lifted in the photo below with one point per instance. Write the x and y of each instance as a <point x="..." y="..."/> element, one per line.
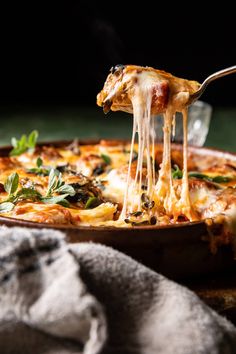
<point x="145" y="92"/>
<point x="121" y="184"/>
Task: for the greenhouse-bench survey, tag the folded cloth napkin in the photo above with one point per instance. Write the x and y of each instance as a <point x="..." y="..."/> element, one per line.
<point x="59" y="298"/>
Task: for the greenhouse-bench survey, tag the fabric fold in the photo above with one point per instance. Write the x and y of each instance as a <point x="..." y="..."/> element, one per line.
<point x="59" y="298"/>
<point x="41" y="288"/>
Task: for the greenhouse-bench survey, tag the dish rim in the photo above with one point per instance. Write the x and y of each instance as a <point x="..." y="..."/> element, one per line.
<point x="9" y="221"/>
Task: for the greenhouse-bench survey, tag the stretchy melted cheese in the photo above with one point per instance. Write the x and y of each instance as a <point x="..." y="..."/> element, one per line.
<point x="129" y="184"/>
<point x="145" y="92"/>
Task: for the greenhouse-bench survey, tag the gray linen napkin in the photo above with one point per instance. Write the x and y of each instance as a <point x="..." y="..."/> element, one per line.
<point x="57" y="298"/>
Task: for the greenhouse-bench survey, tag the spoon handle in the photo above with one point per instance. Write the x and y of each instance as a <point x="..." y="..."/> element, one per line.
<point x="218" y="74"/>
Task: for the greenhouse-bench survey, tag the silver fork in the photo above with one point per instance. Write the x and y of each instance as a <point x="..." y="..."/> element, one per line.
<point x="216" y="75"/>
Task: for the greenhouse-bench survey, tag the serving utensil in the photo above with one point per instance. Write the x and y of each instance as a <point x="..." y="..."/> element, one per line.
<point x="212" y="77"/>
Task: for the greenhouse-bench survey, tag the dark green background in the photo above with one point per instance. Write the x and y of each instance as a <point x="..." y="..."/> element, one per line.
<point x="68" y="123"/>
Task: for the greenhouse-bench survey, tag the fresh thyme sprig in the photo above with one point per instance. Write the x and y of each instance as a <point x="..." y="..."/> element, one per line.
<point x="55" y="185"/>
<point x="11" y="185"/>
<point x="25" y="143"/>
<point x="40" y="170"/>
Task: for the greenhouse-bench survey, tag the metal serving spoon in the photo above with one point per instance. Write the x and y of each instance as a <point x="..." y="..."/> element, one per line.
<point x="217" y="75"/>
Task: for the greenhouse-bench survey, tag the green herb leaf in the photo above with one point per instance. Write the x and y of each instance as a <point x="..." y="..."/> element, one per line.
<point x="64" y="202"/>
<point x="27" y="194"/>
<point x="40" y="170"/>
<point x="11" y="183"/>
<point x="221" y="179"/>
<point x="32" y="139"/>
<point x="59" y="180"/>
<point x="215" y="179"/>
<point x="39" y="162"/>
<point x="5" y="207"/>
<point x="57" y="185"/>
<point x="106" y="159"/>
<point x="176" y="172"/>
<point x="56" y="200"/>
<point x="66" y="188"/>
<point x="19" y="146"/>
<point x="52" y="181"/>
<point x="92" y="202"/>
<point x="14" y="142"/>
<point x="198" y="175"/>
<point x="24" y="144"/>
